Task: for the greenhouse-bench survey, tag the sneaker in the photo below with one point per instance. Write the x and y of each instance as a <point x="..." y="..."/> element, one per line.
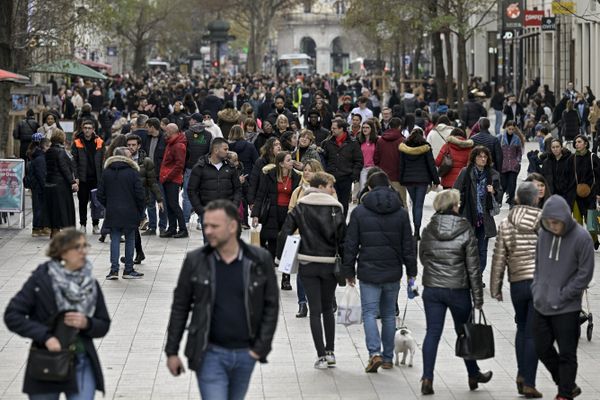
<point x="330" y="358"/>
<point x="133" y="274"/>
<point x="96" y="230"/>
<point x="102" y="238"/>
<point x="321" y="363"/>
<point x="166" y="234"/>
<point x="137" y="260"/>
<point x="82" y="229"/>
<point x="374" y="363"/>
<point x="144" y="224"/>
<point x="387" y="365"/>
<point x="181" y="234"/>
<point x="112" y="276"/>
<point x="149" y="232"/>
<point x="35" y="232"/>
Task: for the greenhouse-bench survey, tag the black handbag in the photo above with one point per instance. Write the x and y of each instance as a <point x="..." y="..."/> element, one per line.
<point x="337" y="265"/>
<point x="475" y="340"/>
<point x="51" y="366"/>
<point x="265" y="208"/>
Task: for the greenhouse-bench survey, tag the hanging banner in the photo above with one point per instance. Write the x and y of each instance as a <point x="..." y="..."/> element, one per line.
<point x="549" y="24"/>
<point x="563" y="7"/>
<point x="533" y="18"/>
<point x="12" y="172"/>
<point x="513" y="13"/>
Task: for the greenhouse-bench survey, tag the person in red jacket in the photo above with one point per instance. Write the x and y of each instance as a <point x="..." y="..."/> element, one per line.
<point x="459" y="147"/>
<point x="171" y="177"/>
<point x="387" y="156"/>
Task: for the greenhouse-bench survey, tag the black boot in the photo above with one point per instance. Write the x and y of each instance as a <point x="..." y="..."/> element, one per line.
<point x="139" y="258"/>
<point x="285" y="282"/>
<point x="302" y="310"/>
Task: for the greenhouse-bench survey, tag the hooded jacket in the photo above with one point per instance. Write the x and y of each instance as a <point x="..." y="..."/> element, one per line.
<point x="173" y="163"/>
<point x="148" y="176"/>
<point x="386" y="154"/>
<point x="228" y="118"/>
<point x="198" y="144"/>
<point x="564" y="263"/>
<point x="438" y="137"/>
<point x="515" y="247"/>
<point x="459" y="150"/>
<point x="448" y="252"/>
<point x="379" y="237"/>
<point x="213" y="128"/>
<point x="417" y="165"/>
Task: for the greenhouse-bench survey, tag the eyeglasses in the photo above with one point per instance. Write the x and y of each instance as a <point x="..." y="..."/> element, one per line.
<point x="80" y="246"/>
<point x="87" y="128"/>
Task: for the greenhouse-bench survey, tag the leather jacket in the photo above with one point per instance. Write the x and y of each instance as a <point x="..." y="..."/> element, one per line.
<point x="448" y="252"/>
<point x="515" y="247"/>
<point x="195" y="292"/>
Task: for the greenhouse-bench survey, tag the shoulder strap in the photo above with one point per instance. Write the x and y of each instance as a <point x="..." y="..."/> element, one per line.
<point x="333" y="214"/>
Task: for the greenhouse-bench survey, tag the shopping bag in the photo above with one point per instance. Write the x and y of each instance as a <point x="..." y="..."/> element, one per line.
<point x="349" y="309"/>
<point x="475" y="341"/>
<point x="288" y="264"/>
<point x="255" y="237"/>
<point x="592" y="222"/>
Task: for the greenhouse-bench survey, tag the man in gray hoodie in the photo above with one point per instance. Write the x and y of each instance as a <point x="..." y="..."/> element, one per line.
<point x="563" y="269"/>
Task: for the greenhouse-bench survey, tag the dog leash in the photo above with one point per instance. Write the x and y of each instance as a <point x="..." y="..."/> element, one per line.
<point x="404" y="314"/>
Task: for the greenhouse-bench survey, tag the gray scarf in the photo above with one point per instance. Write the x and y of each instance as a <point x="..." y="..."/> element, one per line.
<point x="73" y="290"/>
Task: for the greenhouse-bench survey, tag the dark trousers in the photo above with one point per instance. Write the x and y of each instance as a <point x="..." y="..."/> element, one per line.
<point x="527" y="360"/>
<point x="343" y="188"/>
<point x="84" y="195"/>
<point x="436" y="301"/>
<point x="174" y="211"/>
<point x="564" y="330"/>
<point x="508" y="181"/>
<point x="319" y="284"/>
<point x="482" y="246"/>
<point x="138" y="243"/>
<point x="271" y="243"/>
<point x="37" y="205"/>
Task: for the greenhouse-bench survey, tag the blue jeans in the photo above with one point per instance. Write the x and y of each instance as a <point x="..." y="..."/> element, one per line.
<point x="379" y="299"/>
<point x="417" y="195"/>
<point x="482" y="246"/>
<point x="115" y="242"/>
<point x="498" y="125"/>
<point x="436" y="302"/>
<point x="300" y="290"/>
<point x="86" y="382"/>
<point x="527" y="360"/>
<point x="162" y="215"/>
<point x="225" y="373"/>
<point x="186" y="205"/>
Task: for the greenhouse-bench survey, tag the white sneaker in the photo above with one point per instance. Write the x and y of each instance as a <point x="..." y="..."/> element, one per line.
<point x="330" y="358"/>
<point x="96" y="230"/>
<point x="82" y="229"/>
<point x="321" y="363"/>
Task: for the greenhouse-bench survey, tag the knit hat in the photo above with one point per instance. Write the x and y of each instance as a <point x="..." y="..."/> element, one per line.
<point x="196" y="117"/>
<point x="37" y="137"/>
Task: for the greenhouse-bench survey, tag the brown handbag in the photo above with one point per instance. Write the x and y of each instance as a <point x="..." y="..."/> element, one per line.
<point x="583" y="190"/>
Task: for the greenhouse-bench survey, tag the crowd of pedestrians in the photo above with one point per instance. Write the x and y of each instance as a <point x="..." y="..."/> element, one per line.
<point x="152" y="156"/>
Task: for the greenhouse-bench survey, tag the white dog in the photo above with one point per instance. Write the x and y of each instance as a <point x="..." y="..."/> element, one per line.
<point x="404" y="343"/>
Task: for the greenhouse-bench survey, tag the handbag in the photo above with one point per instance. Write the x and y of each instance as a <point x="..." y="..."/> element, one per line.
<point x="337" y="264"/>
<point x="265" y="208"/>
<point x="447" y="161"/>
<point x="475" y="341"/>
<point x="51" y="366"/>
<point x="255" y="237"/>
<point x="592" y="221"/>
<point x="495" y="207"/>
<point x="583" y="190"/>
<point x="288" y="264"/>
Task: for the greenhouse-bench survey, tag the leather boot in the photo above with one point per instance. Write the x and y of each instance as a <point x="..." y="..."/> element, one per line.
<point x="481" y="377"/>
<point x="302" y="310"/>
<point x="426" y="387"/>
<point x="531" y="393"/>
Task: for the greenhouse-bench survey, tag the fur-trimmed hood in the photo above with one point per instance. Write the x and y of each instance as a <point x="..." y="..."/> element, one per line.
<point x="229" y="115"/>
<point x="460" y="142"/>
<point x="315" y="197"/>
<point x="415" y="151"/>
<point x="114" y="159"/>
<point x="268" y="168"/>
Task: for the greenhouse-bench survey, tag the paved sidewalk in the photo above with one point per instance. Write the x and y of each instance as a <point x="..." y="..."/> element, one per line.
<point x="134" y="363"/>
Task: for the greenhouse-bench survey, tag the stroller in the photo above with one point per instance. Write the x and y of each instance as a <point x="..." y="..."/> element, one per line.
<point x="587" y="317"/>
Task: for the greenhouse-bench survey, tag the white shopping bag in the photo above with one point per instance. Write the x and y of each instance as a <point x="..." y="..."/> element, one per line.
<point x="349" y="309"/>
<point x="289" y="257"/>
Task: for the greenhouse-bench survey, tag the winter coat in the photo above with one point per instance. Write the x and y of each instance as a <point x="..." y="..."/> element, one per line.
<point x="180" y="119"/>
<point x="310" y="153"/>
<point x="247" y="154"/>
<point x="512" y="153"/>
<point x="159" y="151"/>
<point x="195" y="292"/>
<point x="417" y="165"/>
<point x="82" y="160"/>
<point x="471" y="112"/>
<point x="36" y="171"/>
<point x="25" y="129"/>
<point x="586" y="167"/>
<point x="379" y="237"/>
<point x="121" y="193"/>
<point x="485" y="138"/>
<point x="173" y="163"/>
<point x="448" y="252"/>
<point x="468" y="197"/>
<point x="514" y="116"/>
<point x="438" y="136"/>
<point x="261" y="139"/>
<point x="387" y="156"/>
<point x="198" y="144"/>
<point x="594" y="118"/>
<point x="515" y="247"/>
<point x="564" y="263"/>
<point x="345" y="160"/>
<point x="267" y="192"/>
<point x="148" y="176"/>
<point x="212" y="104"/>
<point x="208" y="183"/>
<point x="559" y="175"/>
<point x="255" y="178"/>
<point x="228" y="118"/>
<point x="320" y="220"/>
<point x="570" y="124"/>
<point x="59" y="166"/>
<point x="272" y="117"/>
<point x="460" y="150"/>
<point x="28" y="314"/>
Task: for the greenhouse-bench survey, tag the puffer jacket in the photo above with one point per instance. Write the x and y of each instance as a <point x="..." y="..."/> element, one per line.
<point x="515" y="247"/>
<point x="320" y="220"/>
<point x="448" y="252"/>
<point x="148" y="176"/>
<point x="208" y="183"/>
<point x="459" y="149"/>
<point x="417" y="165"/>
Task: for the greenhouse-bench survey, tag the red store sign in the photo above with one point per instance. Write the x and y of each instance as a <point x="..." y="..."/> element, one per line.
<point x="533" y="17"/>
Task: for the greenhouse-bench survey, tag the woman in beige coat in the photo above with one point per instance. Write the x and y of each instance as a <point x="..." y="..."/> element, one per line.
<point x="515" y="248"/>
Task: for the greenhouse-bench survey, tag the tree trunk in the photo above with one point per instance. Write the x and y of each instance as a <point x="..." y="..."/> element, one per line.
<point x="450" y="69"/>
<point x="462" y="76"/>
<point x="438" y="57"/>
<point x="396" y="63"/>
<point x="6" y="62"/>
<point x="417" y="57"/>
<point x="139" y="55"/>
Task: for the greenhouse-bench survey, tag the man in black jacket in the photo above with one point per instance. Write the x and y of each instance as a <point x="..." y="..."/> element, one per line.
<point x="88" y="156"/>
<point x="24" y="131"/>
<point x="212" y="178"/>
<point x="343" y="160"/>
<point x="485" y="138"/>
<point x="154" y="147"/>
<point x="281" y="110"/>
<point x="231" y="289"/>
<point x="380" y="238"/>
<point x="314" y="124"/>
<point x="472" y="111"/>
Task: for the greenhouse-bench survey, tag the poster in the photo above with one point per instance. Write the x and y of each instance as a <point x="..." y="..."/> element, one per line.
<point x="11" y="184"/>
<point x="513" y="14"/>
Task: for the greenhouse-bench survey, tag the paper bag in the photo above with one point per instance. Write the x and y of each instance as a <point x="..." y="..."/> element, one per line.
<point x="289" y="257"/>
<point x="255" y="237"/>
<point x="349" y="309"/>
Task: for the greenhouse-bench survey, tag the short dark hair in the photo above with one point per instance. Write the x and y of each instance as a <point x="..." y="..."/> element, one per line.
<point x="477" y="150"/>
<point x="133" y="136"/>
<point x="395" y="123"/>
<point x="341" y="123"/>
<point x="87" y="122"/>
<point x="378" y="179"/>
<point x="362" y="99"/>
<point x="154" y="123"/>
<point x="218" y="141"/>
<point x="63" y="241"/>
<point x="443" y="119"/>
<point x="279" y="96"/>
<point x="321" y="178"/>
<point x="230" y="210"/>
<point x="141" y="120"/>
<point x="484" y="124"/>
